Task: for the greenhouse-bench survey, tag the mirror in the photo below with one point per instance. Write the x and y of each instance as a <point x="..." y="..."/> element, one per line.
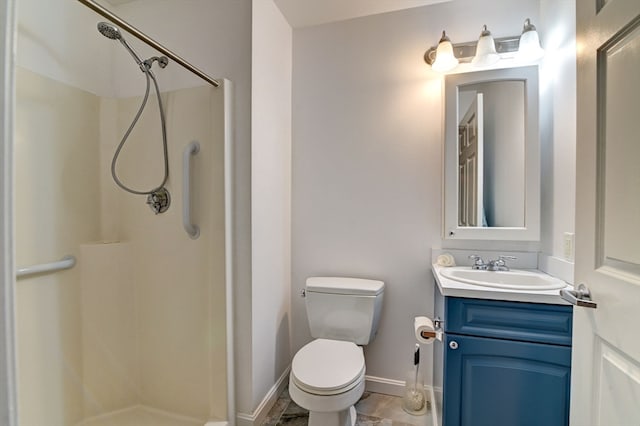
<point x="492" y="156"/>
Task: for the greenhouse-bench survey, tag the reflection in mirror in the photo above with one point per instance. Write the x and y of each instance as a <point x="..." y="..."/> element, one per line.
<point x="491" y="154"/>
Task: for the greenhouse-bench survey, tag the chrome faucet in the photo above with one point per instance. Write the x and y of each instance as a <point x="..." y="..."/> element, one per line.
<point x="478" y="263"/>
<point x="498" y="264"/>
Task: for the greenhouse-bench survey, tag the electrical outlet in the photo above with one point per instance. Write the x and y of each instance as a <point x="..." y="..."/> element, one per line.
<point x="568" y="245"/>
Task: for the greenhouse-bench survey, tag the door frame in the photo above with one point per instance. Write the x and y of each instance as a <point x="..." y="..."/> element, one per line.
<point x="8" y="382"/>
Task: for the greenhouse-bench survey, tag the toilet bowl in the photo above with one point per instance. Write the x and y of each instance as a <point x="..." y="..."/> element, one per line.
<point x="327" y="378"/>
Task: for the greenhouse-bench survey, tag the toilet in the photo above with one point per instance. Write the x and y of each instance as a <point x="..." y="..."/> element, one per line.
<point x="327" y="374"/>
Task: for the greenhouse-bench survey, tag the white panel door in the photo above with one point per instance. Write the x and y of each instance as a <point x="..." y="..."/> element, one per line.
<point x="606" y="347"/>
<point x="471" y="165"/>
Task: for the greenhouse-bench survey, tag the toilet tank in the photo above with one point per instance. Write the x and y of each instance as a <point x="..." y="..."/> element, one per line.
<point x="344" y="308"/>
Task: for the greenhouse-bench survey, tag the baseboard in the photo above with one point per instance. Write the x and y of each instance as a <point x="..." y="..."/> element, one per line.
<point x="436" y="406"/>
<point x="397" y="388"/>
<point x="391" y="387"/>
<point x="260" y="413"/>
<point x="244" y="420"/>
<point x="372" y="384"/>
<point x="385" y="386"/>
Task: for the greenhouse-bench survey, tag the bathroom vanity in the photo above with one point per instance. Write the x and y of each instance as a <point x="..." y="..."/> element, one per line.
<point x="505" y="355"/>
<point x="505" y="358"/>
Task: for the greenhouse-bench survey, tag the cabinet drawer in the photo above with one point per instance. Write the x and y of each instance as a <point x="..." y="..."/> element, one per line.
<point x="529" y="322"/>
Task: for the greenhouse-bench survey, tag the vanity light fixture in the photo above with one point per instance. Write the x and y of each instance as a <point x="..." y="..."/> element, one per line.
<point x="486" y="51"/>
<point x="445" y="60"/>
<point x="529" y="49"/>
<point x="486" y="54"/>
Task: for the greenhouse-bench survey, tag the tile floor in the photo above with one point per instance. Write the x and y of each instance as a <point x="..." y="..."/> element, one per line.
<point x="374" y="409"/>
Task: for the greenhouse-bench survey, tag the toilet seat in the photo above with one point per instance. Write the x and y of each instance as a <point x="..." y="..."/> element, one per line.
<point x="328" y="367"/>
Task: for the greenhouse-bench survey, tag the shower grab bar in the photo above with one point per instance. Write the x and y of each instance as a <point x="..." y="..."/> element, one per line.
<point x="105" y="13"/>
<point x="189" y="151"/>
<point x="66" y="262"/>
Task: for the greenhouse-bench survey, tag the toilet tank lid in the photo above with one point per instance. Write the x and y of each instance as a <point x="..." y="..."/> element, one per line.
<point x="343" y="285"/>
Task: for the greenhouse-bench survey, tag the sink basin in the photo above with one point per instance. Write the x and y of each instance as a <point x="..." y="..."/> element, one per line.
<point x="514" y="279"/>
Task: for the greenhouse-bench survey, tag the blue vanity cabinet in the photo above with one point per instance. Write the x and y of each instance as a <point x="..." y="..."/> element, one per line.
<point x="506" y="363"/>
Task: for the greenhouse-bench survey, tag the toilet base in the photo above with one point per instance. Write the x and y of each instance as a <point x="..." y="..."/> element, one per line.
<point x="339" y="418"/>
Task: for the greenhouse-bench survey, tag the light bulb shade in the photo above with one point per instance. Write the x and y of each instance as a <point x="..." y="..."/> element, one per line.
<point x="445" y="59"/>
<point x="529" y="49"/>
<point x="485" y="51"/>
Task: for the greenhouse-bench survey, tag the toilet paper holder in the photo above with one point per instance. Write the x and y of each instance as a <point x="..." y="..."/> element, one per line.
<point x="437" y="324"/>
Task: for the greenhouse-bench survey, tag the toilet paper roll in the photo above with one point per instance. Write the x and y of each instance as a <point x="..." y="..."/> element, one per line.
<point x="425" y="331"/>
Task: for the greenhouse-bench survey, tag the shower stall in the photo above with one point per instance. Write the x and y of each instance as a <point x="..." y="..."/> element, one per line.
<point x="122" y="226"/>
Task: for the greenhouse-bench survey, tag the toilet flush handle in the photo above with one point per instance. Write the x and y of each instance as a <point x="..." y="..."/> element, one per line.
<point x="303" y="293"/>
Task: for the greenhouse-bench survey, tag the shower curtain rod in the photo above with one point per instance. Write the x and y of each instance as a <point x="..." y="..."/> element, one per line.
<point x="148" y="40"/>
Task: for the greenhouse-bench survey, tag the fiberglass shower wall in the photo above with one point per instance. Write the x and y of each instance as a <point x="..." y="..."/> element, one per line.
<point x="136" y="331"/>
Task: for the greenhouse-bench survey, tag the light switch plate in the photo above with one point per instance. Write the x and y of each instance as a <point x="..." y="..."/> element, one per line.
<point x="568" y="245"/>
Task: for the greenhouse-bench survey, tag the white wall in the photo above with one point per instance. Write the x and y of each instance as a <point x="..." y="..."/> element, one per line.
<point x="57" y="39"/>
<point x="90" y="341"/>
<point x="48" y="308"/>
<point x="558" y="118"/>
<point x="367" y="154"/>
<point x="270" y="196"/>
<point x="177" y="362"/>
<point x="57" y="209"/>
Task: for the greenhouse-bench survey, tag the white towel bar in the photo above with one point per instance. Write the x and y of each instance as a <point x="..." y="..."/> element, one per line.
<point x="66" y="262"/>
<point x="190" y="150"/>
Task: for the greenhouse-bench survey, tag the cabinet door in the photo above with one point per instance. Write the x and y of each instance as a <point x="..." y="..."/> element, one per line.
<point x="496" y="382"/>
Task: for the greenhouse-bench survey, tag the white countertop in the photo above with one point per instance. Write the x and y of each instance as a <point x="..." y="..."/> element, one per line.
<point x="449" y="287"/>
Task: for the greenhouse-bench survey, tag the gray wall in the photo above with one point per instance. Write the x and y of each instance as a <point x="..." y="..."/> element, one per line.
<point x="367" y="176"/>
<point x="557" y="124"/>
<point x="270" y="196"/>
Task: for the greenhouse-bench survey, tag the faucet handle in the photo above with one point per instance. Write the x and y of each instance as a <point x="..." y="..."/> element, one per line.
<point x="501" y="261"/>
<point x="477" y="260"/>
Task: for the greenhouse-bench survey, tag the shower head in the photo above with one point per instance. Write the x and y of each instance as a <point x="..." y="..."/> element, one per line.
<point x="109" y="31"/>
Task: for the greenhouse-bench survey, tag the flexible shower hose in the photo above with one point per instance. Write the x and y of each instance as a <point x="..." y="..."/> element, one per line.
<point x="147" y="72"/>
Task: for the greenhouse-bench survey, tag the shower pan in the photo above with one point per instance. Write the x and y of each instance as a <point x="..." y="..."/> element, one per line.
<point x="138" y="330"/>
